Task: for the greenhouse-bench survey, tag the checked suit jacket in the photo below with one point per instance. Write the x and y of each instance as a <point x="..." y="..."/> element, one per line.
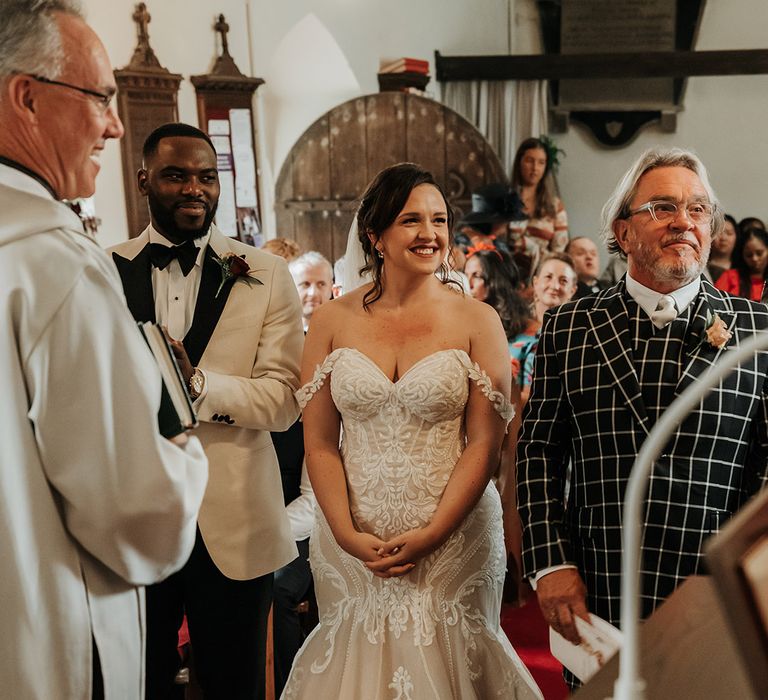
<point x="248" y="340"/>
<point x="586" y="408"/>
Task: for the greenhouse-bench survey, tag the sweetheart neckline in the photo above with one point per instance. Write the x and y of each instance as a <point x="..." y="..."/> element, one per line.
<point x="410" y="369"/>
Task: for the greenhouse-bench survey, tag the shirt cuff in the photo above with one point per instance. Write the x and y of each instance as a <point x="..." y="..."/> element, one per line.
<point x="549" y="570"/>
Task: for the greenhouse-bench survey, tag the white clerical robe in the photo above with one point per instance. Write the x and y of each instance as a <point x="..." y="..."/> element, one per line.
<point x="93" y="503"/>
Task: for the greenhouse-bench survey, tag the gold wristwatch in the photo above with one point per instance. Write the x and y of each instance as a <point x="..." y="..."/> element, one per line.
<point x="196" y="383"/>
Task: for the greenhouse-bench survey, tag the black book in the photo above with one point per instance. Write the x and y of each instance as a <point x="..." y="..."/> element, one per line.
<point x="176" y="413"/>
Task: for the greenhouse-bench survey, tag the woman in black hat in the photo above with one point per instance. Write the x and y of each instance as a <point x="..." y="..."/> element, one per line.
<point x="544" y="227"/>
<point x="493" y="207"/>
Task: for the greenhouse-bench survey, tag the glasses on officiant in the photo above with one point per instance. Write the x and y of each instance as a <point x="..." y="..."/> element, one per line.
<point x="664" y="211"/>
<point x="102" y="99"/>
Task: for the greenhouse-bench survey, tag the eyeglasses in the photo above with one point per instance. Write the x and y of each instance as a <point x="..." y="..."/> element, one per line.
<point x="104" y="99"/>
<point x="663" y="211"/>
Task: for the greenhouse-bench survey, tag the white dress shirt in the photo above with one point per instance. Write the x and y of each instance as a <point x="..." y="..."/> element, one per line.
<point x="648" y="299"/>
<point x="176" y="295"/>
<point x="301" y="510"/>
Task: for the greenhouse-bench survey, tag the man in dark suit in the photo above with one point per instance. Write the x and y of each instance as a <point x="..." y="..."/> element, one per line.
<point x="236" y="320"/>
<point x="607" y="366"/>
<point x="586" y="262"/>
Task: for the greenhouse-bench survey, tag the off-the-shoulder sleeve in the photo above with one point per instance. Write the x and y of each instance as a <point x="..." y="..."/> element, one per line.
<point x="500" y="402"/>
<point x="306" y="392"/>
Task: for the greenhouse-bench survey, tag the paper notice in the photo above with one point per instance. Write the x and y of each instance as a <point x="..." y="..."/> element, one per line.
<point x="600" y="640"/>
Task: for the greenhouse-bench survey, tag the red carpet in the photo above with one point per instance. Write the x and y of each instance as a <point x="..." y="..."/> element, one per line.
<point x="529" y="634"/>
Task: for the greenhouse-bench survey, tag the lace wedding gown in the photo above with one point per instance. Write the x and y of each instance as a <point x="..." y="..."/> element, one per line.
<point x="435" y="632"/>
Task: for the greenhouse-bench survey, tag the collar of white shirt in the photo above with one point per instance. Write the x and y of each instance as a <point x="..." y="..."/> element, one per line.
<point x="156" y="237"/>
<point x="648" y="299"/>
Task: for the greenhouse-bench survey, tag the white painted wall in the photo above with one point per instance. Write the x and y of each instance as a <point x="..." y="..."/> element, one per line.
<point x="295" y="93"/>
<point x="724" y="119"/>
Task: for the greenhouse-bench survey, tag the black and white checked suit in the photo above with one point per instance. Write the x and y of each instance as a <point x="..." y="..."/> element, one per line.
<point x="587" y="407"/>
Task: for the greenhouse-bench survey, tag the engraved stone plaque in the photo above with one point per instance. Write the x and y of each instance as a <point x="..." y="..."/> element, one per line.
<point x="611" y="26"/>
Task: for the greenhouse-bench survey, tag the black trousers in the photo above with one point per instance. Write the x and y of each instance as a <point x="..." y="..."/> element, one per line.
<point x="292" y="583"/>
<point x="227" y="622"/>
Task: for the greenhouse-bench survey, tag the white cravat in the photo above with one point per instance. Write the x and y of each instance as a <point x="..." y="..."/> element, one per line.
<point x="666" y="311"/>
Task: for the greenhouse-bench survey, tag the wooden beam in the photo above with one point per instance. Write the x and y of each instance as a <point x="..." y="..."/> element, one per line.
<point x="647" y="64"/>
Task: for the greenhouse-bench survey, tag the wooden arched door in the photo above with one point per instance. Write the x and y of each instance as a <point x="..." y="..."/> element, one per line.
<point x="330" y="165"/>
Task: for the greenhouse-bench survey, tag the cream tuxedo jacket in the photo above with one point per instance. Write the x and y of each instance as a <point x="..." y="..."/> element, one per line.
<point x="248" y="340"/>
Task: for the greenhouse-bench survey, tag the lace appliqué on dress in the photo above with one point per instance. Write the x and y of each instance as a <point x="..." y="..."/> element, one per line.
<point x="500" y="402"/>
<point x="306" y="392"/>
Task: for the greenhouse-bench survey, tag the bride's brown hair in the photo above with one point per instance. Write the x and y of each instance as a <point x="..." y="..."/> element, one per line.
<point x="383" y="200"/>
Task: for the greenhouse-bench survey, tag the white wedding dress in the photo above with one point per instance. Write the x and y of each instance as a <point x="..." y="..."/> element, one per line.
<point x="434" y="633"/>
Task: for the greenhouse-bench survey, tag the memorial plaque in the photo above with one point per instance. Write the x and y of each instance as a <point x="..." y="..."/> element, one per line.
<point x="608" y="26"/>
<point x="225" y="112"/>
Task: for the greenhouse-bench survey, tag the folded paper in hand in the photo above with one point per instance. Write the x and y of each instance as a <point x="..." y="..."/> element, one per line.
<point x="600" y="640"/>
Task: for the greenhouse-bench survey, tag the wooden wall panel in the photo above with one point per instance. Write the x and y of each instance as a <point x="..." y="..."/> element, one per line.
<point x="425" y="135"/>
<point x="385" y="129"/>
<point x="348" y="150"/>
<point x="311" y="164"/>
<point x="329" y="167"/>
<point x="313" y="232"/>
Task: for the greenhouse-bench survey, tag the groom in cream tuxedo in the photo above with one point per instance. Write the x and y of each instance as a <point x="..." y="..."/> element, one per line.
<point x="235" y="318"/>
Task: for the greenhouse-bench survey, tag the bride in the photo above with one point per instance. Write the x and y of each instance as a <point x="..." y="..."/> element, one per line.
<point x="407" y="552"/>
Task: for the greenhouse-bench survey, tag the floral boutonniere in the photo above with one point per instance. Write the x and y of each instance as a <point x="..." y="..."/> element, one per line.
<point x="235" y="267"/>
<point x="716" y="333"/>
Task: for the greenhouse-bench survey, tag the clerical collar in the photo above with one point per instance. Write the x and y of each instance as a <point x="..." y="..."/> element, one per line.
<point x="156" y="237"/>
<point x="30" y="173"/>
<point x="648" y="299"/>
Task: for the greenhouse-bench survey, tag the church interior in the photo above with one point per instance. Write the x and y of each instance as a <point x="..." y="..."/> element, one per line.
<point x="314" y="115"/>
<point x="314" y="56"/>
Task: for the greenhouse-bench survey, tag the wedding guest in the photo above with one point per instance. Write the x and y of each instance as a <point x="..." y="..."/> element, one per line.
<point x="493" y="280"/>
<point x="614" y="271"/>
<point x="284" y="247"/>
<point x="750" y="222"/>
<point x="722" y="249"/>
<point x="749" y="272"/>
<point x="607" y="367"/>
<point x="95" y="503"/>
<point x="313" y="276"/>
<point x="586" y="263"/>
<point x="544" y="227"/>
<point x="234" y="318"/>
<point x="417" y="375"/>
<point x="493" y="207"/>
<point x="554" y="282"/>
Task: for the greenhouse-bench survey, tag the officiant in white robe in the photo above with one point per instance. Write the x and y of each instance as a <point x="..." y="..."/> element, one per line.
<point x="94" y="503"/>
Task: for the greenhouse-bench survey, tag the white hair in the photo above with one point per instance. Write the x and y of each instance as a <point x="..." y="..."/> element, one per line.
<point x="30" y="41"/>
<point x="309" y="259"/>
<point x="617" y="206"/>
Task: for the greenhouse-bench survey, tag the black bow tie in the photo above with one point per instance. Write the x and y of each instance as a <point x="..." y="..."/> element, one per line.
<point x="162" y="255"/>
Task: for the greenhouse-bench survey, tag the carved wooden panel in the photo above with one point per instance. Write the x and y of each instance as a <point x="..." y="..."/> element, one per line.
<point x="144" y="102"/>
<point x="331" y="164"/>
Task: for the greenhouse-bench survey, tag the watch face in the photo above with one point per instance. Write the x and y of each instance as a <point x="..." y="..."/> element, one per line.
<point x="196" y="383"/>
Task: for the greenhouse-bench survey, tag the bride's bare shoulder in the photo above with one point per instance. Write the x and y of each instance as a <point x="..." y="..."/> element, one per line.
<point x="339" y="310"/>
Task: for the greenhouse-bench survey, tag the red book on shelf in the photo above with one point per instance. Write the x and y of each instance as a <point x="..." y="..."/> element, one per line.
<point x="406" y="65"/>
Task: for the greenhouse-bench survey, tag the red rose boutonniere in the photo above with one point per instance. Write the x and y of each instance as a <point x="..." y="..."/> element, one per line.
<point x="716" y="333"/>
<point x="235" y="267"/>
